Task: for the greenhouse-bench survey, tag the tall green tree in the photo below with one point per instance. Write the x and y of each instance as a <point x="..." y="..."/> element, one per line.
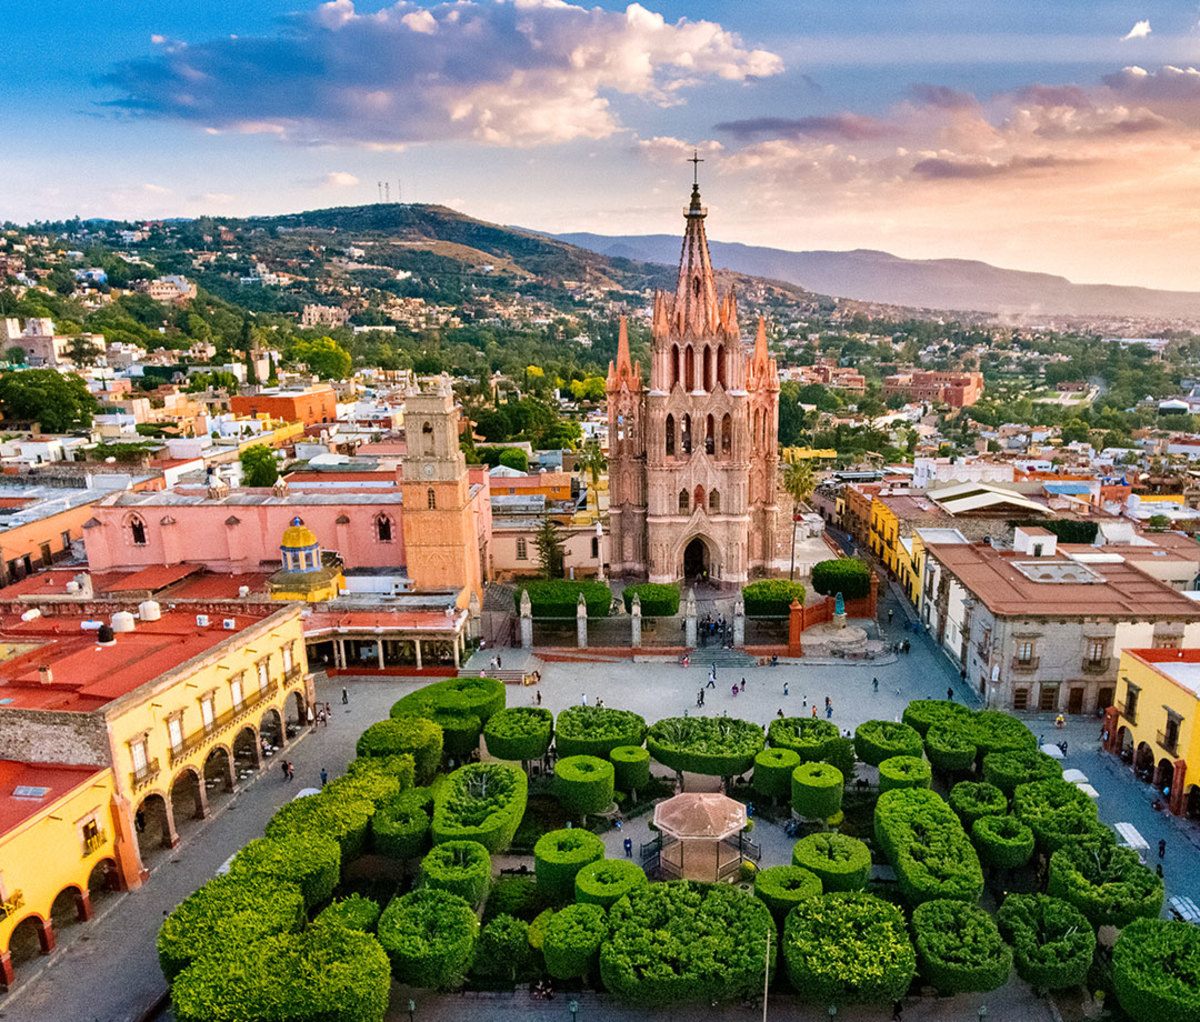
<point x="799" y="481"/>
<point x="325" y="357"/>
<point x="591" y="462"/>
<point x="549" y="540"/>
<point x="259" y="467"/>
<point x="58" y="402"/>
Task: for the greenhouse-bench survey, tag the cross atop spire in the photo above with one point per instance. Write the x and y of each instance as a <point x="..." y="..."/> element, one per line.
<point x="695" y="161"/>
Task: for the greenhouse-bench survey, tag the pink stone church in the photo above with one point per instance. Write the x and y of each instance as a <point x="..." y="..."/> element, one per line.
<point x="693" y="461"/>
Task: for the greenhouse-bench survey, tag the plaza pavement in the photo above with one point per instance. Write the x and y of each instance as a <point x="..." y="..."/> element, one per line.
<point x="107" y="971"/>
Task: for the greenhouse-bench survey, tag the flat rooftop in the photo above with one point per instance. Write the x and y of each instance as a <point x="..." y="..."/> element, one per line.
<point x="85" y="676"/>
<point x="27" y="788"/>
<point x="1182" y="666"/>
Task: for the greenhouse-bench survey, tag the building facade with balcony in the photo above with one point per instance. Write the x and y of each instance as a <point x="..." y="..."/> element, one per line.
<point x="1041" y="629"/>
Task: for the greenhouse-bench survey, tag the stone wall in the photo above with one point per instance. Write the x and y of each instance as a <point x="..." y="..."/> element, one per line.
<point x="46" y="736"/>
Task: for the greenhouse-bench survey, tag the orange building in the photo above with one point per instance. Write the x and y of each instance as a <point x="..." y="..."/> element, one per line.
<point x="956" y="389"/>
<point x="317" y="404"/>
<point x="38" y="525"/>
<point x="554" y="486"/>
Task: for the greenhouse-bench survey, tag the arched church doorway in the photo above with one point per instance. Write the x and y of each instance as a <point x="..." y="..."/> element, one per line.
<point x="695" y="560"/>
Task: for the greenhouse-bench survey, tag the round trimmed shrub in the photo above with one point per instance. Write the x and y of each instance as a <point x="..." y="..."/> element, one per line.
<point x="312" y="862"/>
<point x="994" y="731"/>
<point x="584" y="784"/>
<point x="840" y="862"/>
<point x="1052" y="942"/>
<point x="950" y="747"/>
<point x="572" y="941"/>
<point x="517" y="896"/>
<point x="227" y="913"/>
<point x="773" y="772"/>
<point x="877" y="740"/>
<point x="1109" y="885"/>
<point x="354" y="912"/>
<point x="772" y="597"/>
<point x="460" y="867"/>
<point x="959" y="947"/>
<point x="429" y="936"/>
<point x="343" y="817"/>
<point x="848" y="948"/>
<point x="846" y="575"/>
<point x="481" y="802"/>
<point x="1059" y="814"/>
<point x="1020" y="766"/>
<point x="596" y="730"/>
<point x="631" y="767"/>
<point x="559" y="855"/>
<point x="519" y="733"/>
<point x="417" y="736"/>
<point x="904" y="772"/>
<point x="973" y="799"/>
<point x="1003" y="842"/>
<point x="813" y="739"/>
<point x="400" y="827"/>
<point x="469" y="696"/>
<point x="658" y="599"/>
<point x="1156" y="970"/>
<point x="781" y="887"/>
<point x="718" y="746"/>
<point x="606" y="881"/>
<point x="816" y="790"/>
<point x="922" y="714"/>
<point x="503" y="950"/>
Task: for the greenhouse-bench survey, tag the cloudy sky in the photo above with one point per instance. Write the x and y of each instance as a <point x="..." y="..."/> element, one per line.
<point x="1061" y="136"/>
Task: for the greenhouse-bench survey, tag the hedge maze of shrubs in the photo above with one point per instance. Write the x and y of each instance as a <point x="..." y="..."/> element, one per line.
<point x="288" y="933"/>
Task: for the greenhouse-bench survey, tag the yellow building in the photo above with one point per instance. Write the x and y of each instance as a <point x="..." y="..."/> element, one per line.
<point x="307" y="573"/>
<point x="1153" y="725"/>
<point x="57" y="853"/>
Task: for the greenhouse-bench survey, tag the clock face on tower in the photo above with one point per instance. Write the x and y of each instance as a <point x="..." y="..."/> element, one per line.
<point x="428" y="469"/>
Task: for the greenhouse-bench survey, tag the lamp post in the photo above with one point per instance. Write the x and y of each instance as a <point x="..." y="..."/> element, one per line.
<point x="766" y="973"/>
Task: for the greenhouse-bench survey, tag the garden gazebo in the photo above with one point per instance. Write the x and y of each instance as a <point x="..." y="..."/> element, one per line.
<point x="700" y="824"/>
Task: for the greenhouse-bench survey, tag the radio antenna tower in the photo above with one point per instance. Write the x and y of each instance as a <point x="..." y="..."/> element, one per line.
<point x="387" y="191"/>
<point x="380" y="184"/>
<point x="399" y="193"/>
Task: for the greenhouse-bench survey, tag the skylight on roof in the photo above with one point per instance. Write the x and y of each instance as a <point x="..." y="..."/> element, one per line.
<point x="29" y="791"/>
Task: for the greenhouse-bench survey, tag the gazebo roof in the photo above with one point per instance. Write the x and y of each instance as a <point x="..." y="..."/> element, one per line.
<point x="700" y="816"/>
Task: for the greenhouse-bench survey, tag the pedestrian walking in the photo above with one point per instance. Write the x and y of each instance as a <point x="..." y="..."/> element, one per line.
<point x="890" y="613"/>
<point x="875" y="684"/>
<point x="328" y="713"/>
<point x="950" y="692"/>
<point x="345" y="696"/>
<point x="712" y="682"/>
<point x="828" y="702"/>
<point x="735" y="691"/>
<point x="628" y="843"/>
<point x="291" y="773"/>
<point x="828" y="711"/>
<point x="583" y="699"/>
<point x="1162" y="848"/>
<point x="499" y="663"/>
<point x="897" y="1011"/>
<point x="779" y="713"/>
<point x="324" y="777"/>
<point x="1158" y="869"/>
<point x="312" y="719"/>
<point x="700" y="698"/>
<point x="283" y="767"/>
<point x="814" y="709"/>
<point x="743" y="684"/>
<point x="539" y="697"/>
<point x="785" y="685"/>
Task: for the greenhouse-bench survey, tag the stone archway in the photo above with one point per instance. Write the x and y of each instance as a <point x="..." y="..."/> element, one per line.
<point x="247" y="753"/>
<point x="1125" y="744"/>
<point x="220" y="779"/>
<point x="1143" y="762"/>
<point x="1164" y="774"/>
<point x="295" y="712"/>
<point x="270" y="729"/>
<point x="31" y="937"/>
<point x="154" y="823"/>
<point x="188" y="802"/>
<point x="1191" y="804"/>
<point x="69" y="907"/>
<point x="103" y="881"/>
<point x="697" y="560"/>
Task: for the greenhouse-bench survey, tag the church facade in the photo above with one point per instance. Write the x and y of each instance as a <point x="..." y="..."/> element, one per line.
<point x="693" y="460"/>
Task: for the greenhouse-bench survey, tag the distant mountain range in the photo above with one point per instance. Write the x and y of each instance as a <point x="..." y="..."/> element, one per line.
<point x="871" y="276"/>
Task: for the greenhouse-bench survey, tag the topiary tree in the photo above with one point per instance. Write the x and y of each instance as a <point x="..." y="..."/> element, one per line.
<point x="848" y="948"/>
<point x="631" y="768"/>
<point x="461" y="706"/>
<point x="846" y="575"/>
<point x="1156" y="970"/>
<point x="518" y="896"/>
<point x="771" y="597"/>
<point x="572" y="941"/>
<point x="1003" y="842"/>
<point x="1059" y="814"/>
<point x="973" y="799"/>
<point x="658" y="599"/>
<point x="460" y="867"/>
<point x="877" y="740"/>
<point x="559" y="855"/>
<point x="840" y="862"/>
<point x="354" y="912"/>
<point x="718" y="746"/>
<point x="1107" y="884"/>
<point x="503" y="950"/>
<point x="808" y="737"/>
<point x="583" y="784"/>
<point x="400" y="826"/>
<point x="781" y="887"/>
<point x="596" y="730"/>
<point x="481" y="802"/>
<point x="922" y="714"/>
<point x="773" y="773"/>
<point x="519" y="732"/>
<point x="926" y="845"/>
<point x="1052" y="942"/>
<point x="816" y="790"/>
<point x="959" y="947"/>
<point x="950" y="746"/>
<point x="310" y="861"/>
<point x="994" y="731"/>
<point x="606" y="881"/>
<point x="417" y="736"/>
<point x="344" y="817"/>
<point x="1019" y="766"/>
<point x="904" y="772"/>
<point x="429" y="936"/>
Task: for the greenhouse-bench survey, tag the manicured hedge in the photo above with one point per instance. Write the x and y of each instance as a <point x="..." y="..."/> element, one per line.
<point x="503" y="949"/>
<point x="460" y="867"/>
<point x="1107" y="884"/>
<point x="481" y="802"/>
<point x="926" y="845"/>
<point x="583" y="784"/>
<point x="904" y="772"/>
<point x="771" y="597"/>
<point x="517" y="896"/>
<point x="596" y="730"/>
<point x="973" y="799"/>
<point x="631" y="767"/>
<point x="781" y="887"/>
<point x="572" y="941"/>
<point x="419" y="737"/>
<point x="344" y="818"/>
<point x="1052" y="942"/>
<point x="1003" y="842"/>
<point x="228" y="912"/>
<point x="846" y="575"/>
<point x="371" y="780"/>
<point x="558" y="598"/>
<point x="519" y="733"/>
<point x="950" y="746"/>
<point x="1156" y="970"/>
<point x="811" y="738"/>
<point x="460" y="706"/>
<point x="816" y="790"/>
<point x="848" y="948"/>
<point x="353" y="912"/>
<point x="923" y="714"/>
<point x="559" y="855"/>
<point x="658" y="599"/>
<point x="840" y="862"/>
<point x="877" y="740"/>
<point x="719" y="746"/>
<point x="310" y="861"/>
<point x="605" y="881"/>
<point x="773" y="772"/>
<point x="328" y="973"/>
<point x="400" y="827"/>
<point x="959" y="947"/>
<point x="429" y="936"/>
<point x="686" y="942"/>
<point x="1008" y="769"/>
<point x="994" y="731"/>
<point x="1059" y="814"/>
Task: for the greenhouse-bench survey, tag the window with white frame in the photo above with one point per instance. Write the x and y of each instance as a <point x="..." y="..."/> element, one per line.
<point x="235" y="690"/>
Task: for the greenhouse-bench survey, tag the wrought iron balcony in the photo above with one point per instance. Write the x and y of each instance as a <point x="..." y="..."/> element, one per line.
<point x="140" y="778"/>
<point x="1128" y="712"/>
<point x="1100" y="666"/>
<point x="91" y="844"/>
<point x="12" y="904"/>
<point x="1027" y="666"/>
<point x="198" y="739"/>
<point x="293" y="673"/>
<point x="1169" y="741"/>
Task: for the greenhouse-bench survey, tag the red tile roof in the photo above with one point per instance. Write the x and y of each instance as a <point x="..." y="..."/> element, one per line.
<point x="154" y="578"/>
<point x="59" y="779"/>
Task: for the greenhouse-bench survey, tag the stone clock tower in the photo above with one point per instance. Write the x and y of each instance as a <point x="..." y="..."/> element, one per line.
<point x="439" y="520"/>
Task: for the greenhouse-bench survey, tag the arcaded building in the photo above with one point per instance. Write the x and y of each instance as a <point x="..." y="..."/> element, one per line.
<point x="693" y="460"/>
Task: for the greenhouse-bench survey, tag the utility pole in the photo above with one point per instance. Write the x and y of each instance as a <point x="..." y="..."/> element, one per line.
<point x="766" y="974"/>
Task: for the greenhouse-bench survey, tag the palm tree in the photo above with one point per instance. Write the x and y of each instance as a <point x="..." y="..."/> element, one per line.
<point x="799" y="481"/>
<point x="592" y="462"/>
